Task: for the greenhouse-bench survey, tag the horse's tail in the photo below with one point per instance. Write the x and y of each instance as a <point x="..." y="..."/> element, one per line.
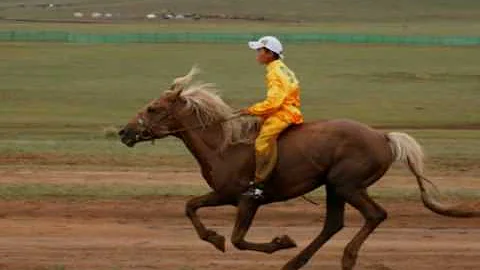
<point x="407" y="150"/>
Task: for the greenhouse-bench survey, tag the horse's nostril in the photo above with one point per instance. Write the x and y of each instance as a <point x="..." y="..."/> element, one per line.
<point x="121" y="132"/>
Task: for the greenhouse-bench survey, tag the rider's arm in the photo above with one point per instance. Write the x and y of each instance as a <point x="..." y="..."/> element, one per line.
<point x="275" y="96"/>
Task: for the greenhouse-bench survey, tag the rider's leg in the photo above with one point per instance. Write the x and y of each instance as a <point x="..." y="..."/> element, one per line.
<point x="266" y="153"/>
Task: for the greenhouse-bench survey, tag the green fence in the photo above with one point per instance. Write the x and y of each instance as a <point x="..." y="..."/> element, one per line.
<point x="66" y="37"/>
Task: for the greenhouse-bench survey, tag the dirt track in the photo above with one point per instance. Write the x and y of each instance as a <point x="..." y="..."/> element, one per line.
<point x="154" y="234"/>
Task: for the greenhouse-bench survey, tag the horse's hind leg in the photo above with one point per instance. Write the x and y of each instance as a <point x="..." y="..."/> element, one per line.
<point x="373" y="213"/>
<point x="210" y="199"/>
<point x="333" y="224"/>
<point x="247" y="208"/>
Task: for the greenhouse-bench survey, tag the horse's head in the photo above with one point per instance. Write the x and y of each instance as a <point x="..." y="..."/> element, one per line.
<point x="157" y="119"/>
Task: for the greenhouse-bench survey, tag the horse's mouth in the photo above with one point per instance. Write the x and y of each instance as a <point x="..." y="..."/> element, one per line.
<point x="128" y="142"/>
<point x="130" y="136"/>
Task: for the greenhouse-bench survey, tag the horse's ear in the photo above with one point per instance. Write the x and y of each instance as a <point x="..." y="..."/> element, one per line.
<point x="181" y="82"/>
<point x="174" y="94"/>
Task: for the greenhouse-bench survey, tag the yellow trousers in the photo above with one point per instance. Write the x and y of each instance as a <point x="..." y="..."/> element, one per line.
<point x="266" y="147"/>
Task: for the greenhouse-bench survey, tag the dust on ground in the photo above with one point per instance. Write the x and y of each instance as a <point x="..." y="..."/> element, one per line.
<point x="153" y="233"/>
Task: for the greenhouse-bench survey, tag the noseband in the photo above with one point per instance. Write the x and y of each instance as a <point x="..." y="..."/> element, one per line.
<point x="148" y="130"/>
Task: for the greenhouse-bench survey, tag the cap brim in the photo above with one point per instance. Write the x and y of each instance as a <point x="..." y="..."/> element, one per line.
<point x="255" y="45"/>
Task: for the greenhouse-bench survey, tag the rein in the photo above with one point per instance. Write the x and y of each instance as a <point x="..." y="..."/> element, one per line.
<point x="142" y="124"/>
<point x="235" y="116"/>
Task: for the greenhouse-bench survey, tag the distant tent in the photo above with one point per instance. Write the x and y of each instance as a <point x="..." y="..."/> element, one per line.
<point x="96" y="15"/>
<point x="151" y="16"/>
<point x="78" y="15"/>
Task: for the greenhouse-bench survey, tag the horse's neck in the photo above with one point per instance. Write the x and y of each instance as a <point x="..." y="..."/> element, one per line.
<point x="212" y="154"/>
<point x="205" y="147"/>
<point x="202" y="146"/>
<point x="208" y="143"/>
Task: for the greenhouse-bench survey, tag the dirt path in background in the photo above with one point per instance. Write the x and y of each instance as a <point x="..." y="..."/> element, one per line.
<point x="154" y="234"/>
<point x="175" y="176"/>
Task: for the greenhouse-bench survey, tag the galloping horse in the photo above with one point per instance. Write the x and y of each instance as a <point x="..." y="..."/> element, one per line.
<point x="344" y="156"/>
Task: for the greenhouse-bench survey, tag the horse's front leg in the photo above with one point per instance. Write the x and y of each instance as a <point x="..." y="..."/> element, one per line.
<point x="247" y="208"/>
<point x="210" y="199"/>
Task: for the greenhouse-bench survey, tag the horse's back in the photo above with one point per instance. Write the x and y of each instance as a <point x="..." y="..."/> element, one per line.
<point x="315" y="149"/>
<point x="336" y="131"/>
<point x="326" y="125"/>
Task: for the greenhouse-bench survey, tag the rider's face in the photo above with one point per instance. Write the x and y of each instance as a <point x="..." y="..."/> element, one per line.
<point x="264" y="56"/>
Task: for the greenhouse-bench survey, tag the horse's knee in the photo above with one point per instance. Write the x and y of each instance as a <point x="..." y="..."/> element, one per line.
<point x="378" y="217"/>
<point x="190" y="209"/>
<point x="333" y="229"/>
<point x="383" y="216"/>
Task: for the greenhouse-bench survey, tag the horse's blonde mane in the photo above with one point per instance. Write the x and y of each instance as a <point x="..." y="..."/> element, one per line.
<point x="203" y="100"/>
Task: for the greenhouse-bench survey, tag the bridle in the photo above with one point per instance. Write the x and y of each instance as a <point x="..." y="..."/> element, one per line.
<point x="237" y="114"/>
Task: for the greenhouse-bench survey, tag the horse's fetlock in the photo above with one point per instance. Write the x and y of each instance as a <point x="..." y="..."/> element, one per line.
<point x="204" y="237"/>
<point x="239" y="244"/>
<point x="207" y="235"/>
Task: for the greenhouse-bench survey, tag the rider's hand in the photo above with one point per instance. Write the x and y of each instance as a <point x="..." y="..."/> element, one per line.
<point x="244" y="111"/>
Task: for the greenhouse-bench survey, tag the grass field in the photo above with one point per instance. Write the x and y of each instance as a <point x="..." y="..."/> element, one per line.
<point x="83" y="192"/>
<point x="57" y="99"/>
<point x="96" y="204"/>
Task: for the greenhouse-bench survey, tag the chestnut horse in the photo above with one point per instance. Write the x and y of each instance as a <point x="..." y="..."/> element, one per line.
<point x="344" y="156"/>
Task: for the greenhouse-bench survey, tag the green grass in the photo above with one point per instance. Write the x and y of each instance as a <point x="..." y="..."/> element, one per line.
<point x="36" y="191"/>
<point x="386" y="28"/>
<point x="57" y="99"/>
<point x="456" y="150"/>
<point x="54" y="86"/>
<point x="39" y="191"/>
<point x="408" y="194"/>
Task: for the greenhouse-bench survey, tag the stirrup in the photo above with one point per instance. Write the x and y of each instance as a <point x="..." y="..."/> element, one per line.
<point x="254" y="192"/>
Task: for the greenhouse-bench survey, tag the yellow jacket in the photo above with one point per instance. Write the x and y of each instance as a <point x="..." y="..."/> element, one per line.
<point x="283" y="95"/>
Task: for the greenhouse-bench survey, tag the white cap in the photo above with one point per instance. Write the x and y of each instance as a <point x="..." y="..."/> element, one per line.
<point x="269" y="42"/>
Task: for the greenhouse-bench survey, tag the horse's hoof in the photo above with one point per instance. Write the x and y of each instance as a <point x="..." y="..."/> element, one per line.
<point x="218" y="241"/>
<point x="284" y="242"/>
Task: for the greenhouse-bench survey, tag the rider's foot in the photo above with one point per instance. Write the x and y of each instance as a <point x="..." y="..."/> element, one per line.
<point x="254" y="192"/>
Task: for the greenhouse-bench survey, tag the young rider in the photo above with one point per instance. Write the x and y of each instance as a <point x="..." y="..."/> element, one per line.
<point x="280" y="109"/>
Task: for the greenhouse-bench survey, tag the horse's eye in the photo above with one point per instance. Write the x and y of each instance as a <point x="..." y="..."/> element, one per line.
<point x="151" y="110"/>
